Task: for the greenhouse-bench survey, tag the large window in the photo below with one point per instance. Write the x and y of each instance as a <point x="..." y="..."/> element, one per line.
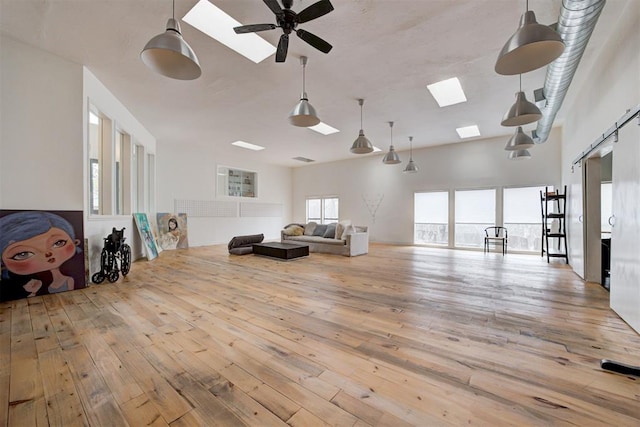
<point x="112" y="167"/>
<point x="323" y="210"/>
<point x="523" y="217"/>
<point x="431" y="218"/>
<point x="475" y="210"/>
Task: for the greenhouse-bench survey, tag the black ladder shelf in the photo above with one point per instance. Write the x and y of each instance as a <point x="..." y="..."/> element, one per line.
<point x="553" y="205"/>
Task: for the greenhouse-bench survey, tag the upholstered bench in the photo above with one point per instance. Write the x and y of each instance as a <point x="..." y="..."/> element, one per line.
<point x="242" y="245"/>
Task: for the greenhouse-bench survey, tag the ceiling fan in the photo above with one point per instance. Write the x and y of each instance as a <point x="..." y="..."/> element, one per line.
<point x="288" y="20"/>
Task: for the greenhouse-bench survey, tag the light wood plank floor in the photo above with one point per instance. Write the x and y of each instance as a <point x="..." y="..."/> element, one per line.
<point x="402" y="336"/>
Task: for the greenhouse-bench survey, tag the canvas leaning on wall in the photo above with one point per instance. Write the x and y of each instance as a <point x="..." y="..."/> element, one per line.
<point x="148" y="241"/>
<point x="41" y="253"/>
<point x="172" y="230"/>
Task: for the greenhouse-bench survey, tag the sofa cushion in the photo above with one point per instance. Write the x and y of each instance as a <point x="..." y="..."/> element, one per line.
<point x="309" y="228"/>
<point x="331" y="232"/>
<point x="316" y="239"/>
<point x="319" y="230"/>
<point x="241" y="250"/>
<point x="248" y="241"/>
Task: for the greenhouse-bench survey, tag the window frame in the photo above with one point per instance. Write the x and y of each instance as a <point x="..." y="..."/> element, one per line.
<point x="323" y="219"/>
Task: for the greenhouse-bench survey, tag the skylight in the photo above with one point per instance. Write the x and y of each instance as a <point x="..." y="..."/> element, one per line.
<point x="447" y="92"/>
<point x="468" y="131"/>
<point x="247" y="145"/>
<point x="324" y="129"/>
<point x="215" y="23"/>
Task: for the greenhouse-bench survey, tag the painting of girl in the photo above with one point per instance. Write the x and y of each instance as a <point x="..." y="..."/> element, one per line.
<point x="172" y="229"/>
<point x="40" y="253"/>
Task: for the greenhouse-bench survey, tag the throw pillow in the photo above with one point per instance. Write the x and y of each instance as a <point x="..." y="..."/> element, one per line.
<point x="340" y="228"/>
<point x="350" y="229"/>
<point x="309" y="228"/>
<point x="331" y="231"/>
<point x="319" y="230"/>
<point x="293" y="230"/>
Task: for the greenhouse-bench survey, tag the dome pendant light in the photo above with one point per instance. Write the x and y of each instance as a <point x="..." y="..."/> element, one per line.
<point x="361" y="145"/>
<point x="519" y="141"/>
<point x="522" y="112"/>
<point x="531" y="47"/>
<point x="303" y="114"/>
<point x="170" y="55"/>
<point x="411" y="167"/>
<point x="519" y="155"/>
<point x="391" y="158"/>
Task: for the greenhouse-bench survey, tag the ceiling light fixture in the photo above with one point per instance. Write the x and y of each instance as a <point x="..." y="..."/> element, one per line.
<point x="247" y="145"/>
<point x="391" y="158"/>
<point x="447" y="92"/>
<point x="303" y="114"/>
<point x="170" y="55"/>
<point x="519" y="155"/>
<point x="361" y="145"/>
<point x="532" y="46"/>
<point x="411" y="167"/>
<point x="324" y="129"/>
<point x="519" y="141"/>
<point x="522" y="112"/>
<point x="468" y="131"/>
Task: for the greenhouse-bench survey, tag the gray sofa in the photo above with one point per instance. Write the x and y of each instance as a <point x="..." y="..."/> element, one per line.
<point x="352" y="243"/>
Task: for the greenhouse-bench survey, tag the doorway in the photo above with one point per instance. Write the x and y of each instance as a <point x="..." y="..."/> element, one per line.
<point x="598" y="185"/>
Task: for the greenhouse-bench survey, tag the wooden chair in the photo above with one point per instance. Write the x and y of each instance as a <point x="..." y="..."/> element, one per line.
<point x="496" y="236"/>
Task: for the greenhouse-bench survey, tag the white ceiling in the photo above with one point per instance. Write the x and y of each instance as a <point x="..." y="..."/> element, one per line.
<point x="385" y="51"/>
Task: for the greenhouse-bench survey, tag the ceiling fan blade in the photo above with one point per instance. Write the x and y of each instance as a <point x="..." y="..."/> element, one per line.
<point x="253" y="28"/>
<point x="274" y="6"/>
<point x="314" y="41"/>
<point x="283" y="47"/>
<point x="314" y="11"/>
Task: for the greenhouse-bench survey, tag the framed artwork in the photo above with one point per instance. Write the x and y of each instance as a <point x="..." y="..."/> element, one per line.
<point x="172" y="230"/>
<point x="144" y="229"/>
<point x="41" y="253"/>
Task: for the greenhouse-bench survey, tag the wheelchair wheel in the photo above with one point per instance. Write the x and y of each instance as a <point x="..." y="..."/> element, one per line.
<point x="125" y="262"/>
<point x="97" y="278"/>
<point x="113" y="276"/>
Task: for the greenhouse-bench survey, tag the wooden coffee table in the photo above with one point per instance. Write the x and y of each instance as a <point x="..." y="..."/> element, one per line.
<point x="281" y="250"/>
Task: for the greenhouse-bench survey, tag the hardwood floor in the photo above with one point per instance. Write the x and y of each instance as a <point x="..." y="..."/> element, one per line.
<point x="402" y="336"/>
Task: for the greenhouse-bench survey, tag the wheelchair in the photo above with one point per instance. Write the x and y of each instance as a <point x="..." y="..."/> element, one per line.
<point x="114" y="259"/>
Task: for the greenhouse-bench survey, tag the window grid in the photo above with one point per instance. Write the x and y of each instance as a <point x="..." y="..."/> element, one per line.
<point x="323" y="210"/>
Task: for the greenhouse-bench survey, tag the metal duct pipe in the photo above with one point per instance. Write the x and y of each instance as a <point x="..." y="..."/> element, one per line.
<point x="576" y="22"/>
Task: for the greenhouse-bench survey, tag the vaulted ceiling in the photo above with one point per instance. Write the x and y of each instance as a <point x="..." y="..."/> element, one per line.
<point x="385" y="51"/>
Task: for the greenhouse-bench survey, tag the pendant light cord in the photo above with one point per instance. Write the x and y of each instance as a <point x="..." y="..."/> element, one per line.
<point x="410" y="148"/>
<point x="173" y="12"/>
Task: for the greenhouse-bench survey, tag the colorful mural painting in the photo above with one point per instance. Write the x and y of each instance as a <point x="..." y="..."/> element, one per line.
<point x="172" y="230"/>
<point x="41" y="253"/>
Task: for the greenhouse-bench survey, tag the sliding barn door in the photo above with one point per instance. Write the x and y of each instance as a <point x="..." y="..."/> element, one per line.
<point x="625" y="233"/>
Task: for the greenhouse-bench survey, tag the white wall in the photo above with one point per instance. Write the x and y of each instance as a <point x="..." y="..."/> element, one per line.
<point x="475" y="164"/>
<point x="599" y="96"/>
<point x="191" y="175"/>
<point x="98" y="227"/>
<point x="41" y="134"/>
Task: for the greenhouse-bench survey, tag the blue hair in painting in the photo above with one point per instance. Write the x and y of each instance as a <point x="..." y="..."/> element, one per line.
<point x="25" y="225"/>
